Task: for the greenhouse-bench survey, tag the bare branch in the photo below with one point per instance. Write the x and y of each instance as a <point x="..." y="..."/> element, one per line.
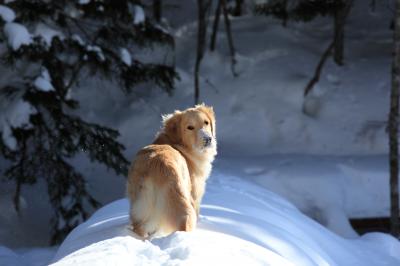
<point x="318" y="70"/>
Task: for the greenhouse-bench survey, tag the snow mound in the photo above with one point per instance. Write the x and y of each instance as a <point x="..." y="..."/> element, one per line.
<point x="6" y="13"/>
<point x="14" y="114"/>
<point x="240" y="224"/>
<point x="126" y="56"/>
<point x="17" y="35"/>
<point x="139" y="16"/>
<point x="43" y="82"/>
<point x="196" y="248"/>
<point x="47" y="33"/>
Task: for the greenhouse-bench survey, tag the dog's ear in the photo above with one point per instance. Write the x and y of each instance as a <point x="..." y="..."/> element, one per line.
<point x="209" y="111"/>
<point x="171" y="125"/>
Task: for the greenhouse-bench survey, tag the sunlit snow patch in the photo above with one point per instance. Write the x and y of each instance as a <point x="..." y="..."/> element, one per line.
<point x="240" y="224"/>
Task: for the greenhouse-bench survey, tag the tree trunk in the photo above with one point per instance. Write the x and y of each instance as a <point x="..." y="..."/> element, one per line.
<point x="202" y="8"/>
<point x="157" y="9"/>
<point x="372" y="5"/>
<point x="229" y="35"/>
<point x="393" y="128"/>
<point x="286" y="14"/>
<point x="17" y="195"/>
<point x="238" y="8"/>
<point x="340" y="17"/>
<point x="215" y="26"/>
<point x="20" y="178"/>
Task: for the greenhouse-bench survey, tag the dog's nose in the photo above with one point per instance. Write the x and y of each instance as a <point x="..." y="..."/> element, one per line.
<point x="207" y="141"/>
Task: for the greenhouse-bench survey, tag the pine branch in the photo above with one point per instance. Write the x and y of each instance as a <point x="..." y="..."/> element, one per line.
<point x="54" y="135"/>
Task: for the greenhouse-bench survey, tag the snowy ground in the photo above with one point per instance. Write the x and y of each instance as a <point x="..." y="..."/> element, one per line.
<point x="329" y="164"/>
<point x="330" y="189"/>
<point x="26" y="256"/>
<point x="240" y="224"/>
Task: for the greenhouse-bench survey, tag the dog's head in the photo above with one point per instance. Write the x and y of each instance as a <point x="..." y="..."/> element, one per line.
<point x="193" y="128"/>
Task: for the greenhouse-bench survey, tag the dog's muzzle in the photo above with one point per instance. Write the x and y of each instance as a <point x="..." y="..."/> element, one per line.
<point x="207" y="141"/>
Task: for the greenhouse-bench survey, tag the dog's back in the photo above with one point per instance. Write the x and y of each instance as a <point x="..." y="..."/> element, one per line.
<point x="159" y="190"/>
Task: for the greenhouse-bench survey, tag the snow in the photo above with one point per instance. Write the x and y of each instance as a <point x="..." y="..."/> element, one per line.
<point x="240" y="224"/>
<point x="78" y="39"/>
<point x="31" y="257"/>
<point x="261" y="111"/>
<point x="330" y="189"/>
<point x="8" y="138"/>
<point x="325" y="154"/>
<point x="126" y="56"/>
<point x="274" y="65"/>
<point x="8" y="257"/>
<point x="47" y="33"/>
<point x="84" y="2"/>
<point x="15" y="113"/>
<point x="6" y="13"/>
<point x="43" y="82"/>
<point x="96" y="49"/>
<point x="16" y="35"/>
<point x="190" y="249"/>
<point x="139" y="16"/>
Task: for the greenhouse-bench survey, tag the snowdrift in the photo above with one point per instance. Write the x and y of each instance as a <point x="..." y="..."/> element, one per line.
<point x="240" y="224"/>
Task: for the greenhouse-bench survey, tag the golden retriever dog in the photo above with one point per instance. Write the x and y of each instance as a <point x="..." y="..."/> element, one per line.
<point x="167" y="179"/>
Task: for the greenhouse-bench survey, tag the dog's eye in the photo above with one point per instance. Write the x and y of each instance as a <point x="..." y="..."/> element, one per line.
<point x="190" y="127"/>
<point x="206" y="122"/>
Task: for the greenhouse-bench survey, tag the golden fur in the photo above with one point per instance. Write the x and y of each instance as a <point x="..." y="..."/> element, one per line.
<point x="166" y="181"/>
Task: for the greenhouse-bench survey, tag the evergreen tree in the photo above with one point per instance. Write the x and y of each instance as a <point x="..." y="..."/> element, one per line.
<point x="50" y="46"/>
